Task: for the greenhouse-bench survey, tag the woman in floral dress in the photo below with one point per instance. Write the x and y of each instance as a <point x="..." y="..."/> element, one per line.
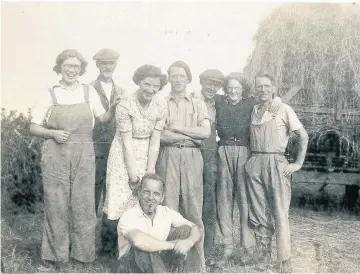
<point x="139" y="121"/>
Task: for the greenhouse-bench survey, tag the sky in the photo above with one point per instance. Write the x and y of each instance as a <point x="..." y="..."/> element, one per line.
<point x="205" y="35"/>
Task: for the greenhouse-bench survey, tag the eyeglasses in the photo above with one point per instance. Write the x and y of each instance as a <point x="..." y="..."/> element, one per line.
<point x="213" y="85"/>
<point x="68" y="67"/>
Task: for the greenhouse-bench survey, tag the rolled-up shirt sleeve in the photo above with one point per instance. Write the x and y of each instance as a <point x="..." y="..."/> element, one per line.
<point x="202" y="112"/>
<point x="177" y="219"/>
<point x="41" y="108"/>
<point x="292" y="121"/>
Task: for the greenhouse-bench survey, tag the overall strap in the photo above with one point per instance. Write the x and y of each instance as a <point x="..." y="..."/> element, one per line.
<point x="53" y="97"/>
<point x="192" y="102"/>
<point x="86" y="93"/>
<point x="113" y="91"/>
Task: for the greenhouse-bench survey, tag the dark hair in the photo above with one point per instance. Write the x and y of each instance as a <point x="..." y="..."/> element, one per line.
<point x="265" y="75"/>
<point x="152" y="176"/>
<point x="149" y="71"/>
<point x="181" y="64"/>
<point x="241" y="79"/>
<point x="68" y="54"/>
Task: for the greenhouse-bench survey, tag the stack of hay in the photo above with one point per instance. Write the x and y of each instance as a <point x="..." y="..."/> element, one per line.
<point x="313" y="52"/>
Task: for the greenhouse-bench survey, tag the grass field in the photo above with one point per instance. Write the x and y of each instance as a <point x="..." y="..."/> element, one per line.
<point x="327" y="240"/>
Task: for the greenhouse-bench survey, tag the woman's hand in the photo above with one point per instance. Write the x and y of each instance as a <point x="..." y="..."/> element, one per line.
<point x="60" y="136"/>
<point x="114" y="104"/>
<point x="275" y="105"/>
<point x="134" y="185"/>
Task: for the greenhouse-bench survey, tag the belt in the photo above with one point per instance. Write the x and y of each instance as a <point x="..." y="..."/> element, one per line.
<point x="180" y="145"/>
<point x="268" y="152"/>
<point x="233" y="141"/>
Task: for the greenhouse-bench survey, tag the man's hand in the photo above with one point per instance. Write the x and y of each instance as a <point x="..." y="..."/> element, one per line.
<point x="60" y="136"/>
<point x="197" y="142"/>
<point x="275" y="105"/>
<point x="114" y="104"/>
<point x="290" y="169"/>
<point x="183" y="246"/>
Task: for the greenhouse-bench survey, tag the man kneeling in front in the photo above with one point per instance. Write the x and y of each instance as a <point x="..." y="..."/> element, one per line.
<point x="155" y="238"/>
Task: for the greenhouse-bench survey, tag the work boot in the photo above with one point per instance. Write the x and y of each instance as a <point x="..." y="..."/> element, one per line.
<point x="285" y="266"/>
<point x="263" y="247"/>
<point x="248" y="256"/>
<point x="210" y="262"/>
<point x="61" y="266"/>
<point x="228" y="250"/>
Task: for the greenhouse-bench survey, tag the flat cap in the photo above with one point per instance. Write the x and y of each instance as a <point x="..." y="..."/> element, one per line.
<point x="212" y="74"/>
<point x="106" y="54"/>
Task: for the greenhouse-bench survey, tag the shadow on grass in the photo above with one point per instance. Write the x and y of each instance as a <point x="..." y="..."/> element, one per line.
<point x="324" y="199"/>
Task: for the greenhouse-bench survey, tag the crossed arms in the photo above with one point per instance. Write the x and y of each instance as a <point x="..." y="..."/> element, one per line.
<point x="175" y="133"/>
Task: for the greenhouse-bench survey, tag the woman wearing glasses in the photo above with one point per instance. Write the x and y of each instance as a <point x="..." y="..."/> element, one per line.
<point x="64" y="117"/>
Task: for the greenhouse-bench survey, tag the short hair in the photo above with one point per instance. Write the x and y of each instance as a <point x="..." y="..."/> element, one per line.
<point x="265" y="75"/>
<point x="181" y="64"/>
<point x="241" y="79"/>
<point x="152" y="176"/>
<point x="68" y="53"/>
<point x="149" y="71"/>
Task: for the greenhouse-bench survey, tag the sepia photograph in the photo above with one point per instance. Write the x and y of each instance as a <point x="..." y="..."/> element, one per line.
<point x="180" y="136"/>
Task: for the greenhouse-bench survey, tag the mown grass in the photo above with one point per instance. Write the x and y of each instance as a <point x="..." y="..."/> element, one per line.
<point x="325" y="240"/>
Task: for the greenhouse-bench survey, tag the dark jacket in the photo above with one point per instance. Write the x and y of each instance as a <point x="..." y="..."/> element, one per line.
<point x="103" y="134"/>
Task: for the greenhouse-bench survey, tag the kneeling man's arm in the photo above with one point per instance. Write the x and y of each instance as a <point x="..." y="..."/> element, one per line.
<point x="183" y="246"/>
<point x="147" y="243"/>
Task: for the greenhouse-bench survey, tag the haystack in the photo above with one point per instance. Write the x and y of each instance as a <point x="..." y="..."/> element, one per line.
<point x="313" y="52"/>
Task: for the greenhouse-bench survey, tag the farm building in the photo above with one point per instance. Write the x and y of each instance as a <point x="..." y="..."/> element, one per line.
<point x="313" y="53"/>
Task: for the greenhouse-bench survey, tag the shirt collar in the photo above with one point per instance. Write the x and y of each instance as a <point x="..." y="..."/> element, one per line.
<point x="187" y="96"/>
<point x="57" y="85"/>
<point x="111" y="81"/>
<point x="140" y="213"/>
<point x="208" y="102"/>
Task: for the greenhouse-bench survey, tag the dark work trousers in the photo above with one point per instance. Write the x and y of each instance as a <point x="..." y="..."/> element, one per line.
<point x="100" y="179"/>
<point x="209" y="215"/>
<point x="137" y="261"/>
<point x="182" y="169"/>
<point x="109" y="236"/>
<point x="232" y="188"/>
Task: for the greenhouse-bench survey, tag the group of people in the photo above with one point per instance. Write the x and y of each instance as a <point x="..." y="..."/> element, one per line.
<point x="167" y="182"/>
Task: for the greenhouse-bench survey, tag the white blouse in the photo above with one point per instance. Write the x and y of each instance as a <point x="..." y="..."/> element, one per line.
<point x="42" y="108"/>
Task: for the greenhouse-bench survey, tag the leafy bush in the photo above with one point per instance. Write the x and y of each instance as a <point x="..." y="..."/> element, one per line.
<point x="21" y="183"/>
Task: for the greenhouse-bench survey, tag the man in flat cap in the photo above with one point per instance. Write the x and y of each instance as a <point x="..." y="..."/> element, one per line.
<point x="109" y="93"/>
<point x="180" y="161"/>
<point x="211" y="81"/>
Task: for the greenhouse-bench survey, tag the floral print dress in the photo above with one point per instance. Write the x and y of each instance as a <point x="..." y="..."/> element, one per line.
<point x="130" y="116"/>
